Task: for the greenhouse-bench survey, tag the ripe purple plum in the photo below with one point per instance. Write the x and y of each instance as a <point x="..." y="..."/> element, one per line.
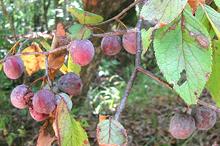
<point x="205" y="117"/>
<point x="111" y="45"/>
<point x="44" y="101"/>
<point x="71" y="84"/>
<point x="37" y="116"/>
<point x="82" y="52"/>
<point x="129" y="42"/>
<point x="13" y="67"/>
<point x="182" y="126"/>
<point x="21" y="96"/>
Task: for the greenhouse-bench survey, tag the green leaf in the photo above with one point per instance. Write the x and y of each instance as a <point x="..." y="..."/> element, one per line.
<point x="78" y="31"/>
<point x="70" y="132"/>
<point x="85" y="17"/>
<point x="73" y="67"/>
<point x="214" y="19"/>
<point x="146" y="39"/>
<point x="45" y="44"/>
<point x="184" y="56"/>
<point x="201" y="16"/>
<point x="217" y="2"/>
<point x="111" y="132"/>
<point x="162" y="11"/>
<point x="213" y="85"/>
<point x="1" y="65"/>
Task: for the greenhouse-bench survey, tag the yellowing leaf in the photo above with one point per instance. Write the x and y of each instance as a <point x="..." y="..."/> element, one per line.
<point x="70" y="132"/>
<point x="73" y="67"/>
<point x="33" y="63"/>
<point x="64" y="69"/>
<point x="85" y="17"/>
<point x="214" y="19"/>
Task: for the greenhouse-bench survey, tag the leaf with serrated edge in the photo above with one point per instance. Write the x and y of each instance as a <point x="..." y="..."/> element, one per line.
<point x="70" y="132"/>
<point x="111" y="133"/>
<point x="85" y="17"/>
<point x="213" y="85"/>
<point x="184" y="56"/>
<point x="162" y="12"/>
<point x="214" y="19"/>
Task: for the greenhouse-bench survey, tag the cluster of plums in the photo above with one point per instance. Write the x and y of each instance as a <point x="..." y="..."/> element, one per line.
<point x="44" y="101"/>
<point x="182" y="125"/>
<point x="112" y="45"/>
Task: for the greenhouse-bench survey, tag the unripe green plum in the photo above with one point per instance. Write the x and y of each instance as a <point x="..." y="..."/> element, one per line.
<point x="205" y="117"/>
<point x="82" y="52"/>
<point x="182" y="126"/>
<point x="37" y="116"/>
<point x="66" y="99"/>
<point x="44" y="101"/>
<point x="111" y="45"/>
<point x="21" y="96"/>
<point x="129" y="42"/>
<point x="71" y="84"/>
<point x="13" y="67"/>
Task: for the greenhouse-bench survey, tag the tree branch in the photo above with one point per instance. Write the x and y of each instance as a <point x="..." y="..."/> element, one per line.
<point x="134" y="74"/>
<point x="120" y="14"/>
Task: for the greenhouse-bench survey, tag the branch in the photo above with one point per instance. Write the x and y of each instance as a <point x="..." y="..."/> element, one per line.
<point x="65" y="47"/>
<point x="120" y="14"/>
<point x="169" y="86"/>
<point x="134" y="74"/>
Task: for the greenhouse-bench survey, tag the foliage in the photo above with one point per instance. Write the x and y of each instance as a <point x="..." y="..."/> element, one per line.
<point x="184" y="35"/>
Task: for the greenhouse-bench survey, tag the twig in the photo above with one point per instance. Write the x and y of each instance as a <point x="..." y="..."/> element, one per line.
<point x="134" y="74"/>
<point x="121" y="13"/>
<point x="152" y="76"/>
<point x="47" y="71"/>
<point x="110" y="33"/>
<point x="41" y="53"/>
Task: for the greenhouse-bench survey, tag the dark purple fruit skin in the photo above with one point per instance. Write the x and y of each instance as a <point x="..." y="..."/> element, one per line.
<point x="205" y="117"/>
<point x="111" y="45"/>
<point x="71" y="84"/>
<point x="182" y="126"/>
<point x="44" y="101"/>
<point x="21" y="96"/>
<point x="129" y="42"/>
<point x="82" y="52"/>
<point x="13" y="67"/>
<point x="37" y="116"/>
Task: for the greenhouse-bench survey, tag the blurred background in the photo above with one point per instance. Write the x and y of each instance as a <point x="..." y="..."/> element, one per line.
<point x="149" y="107"/>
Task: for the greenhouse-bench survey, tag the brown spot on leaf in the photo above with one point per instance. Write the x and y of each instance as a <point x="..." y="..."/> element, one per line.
<point x="203" y="41"/>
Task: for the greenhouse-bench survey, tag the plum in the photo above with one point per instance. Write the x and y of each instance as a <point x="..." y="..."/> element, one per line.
<point x="111" y="45"/>
<point x="205" y="117"/>
<point x="129" y="42"/>
<point x="182" y="126"/>
<point x="66" y="99"/>
<point x="21" y="96"/>
<point x="37" y="116"/>
<point x="44" y="101"/>
<point x="13" y="67"/>
<point x="70" y="83"/>
<point x="82" y="52"/>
